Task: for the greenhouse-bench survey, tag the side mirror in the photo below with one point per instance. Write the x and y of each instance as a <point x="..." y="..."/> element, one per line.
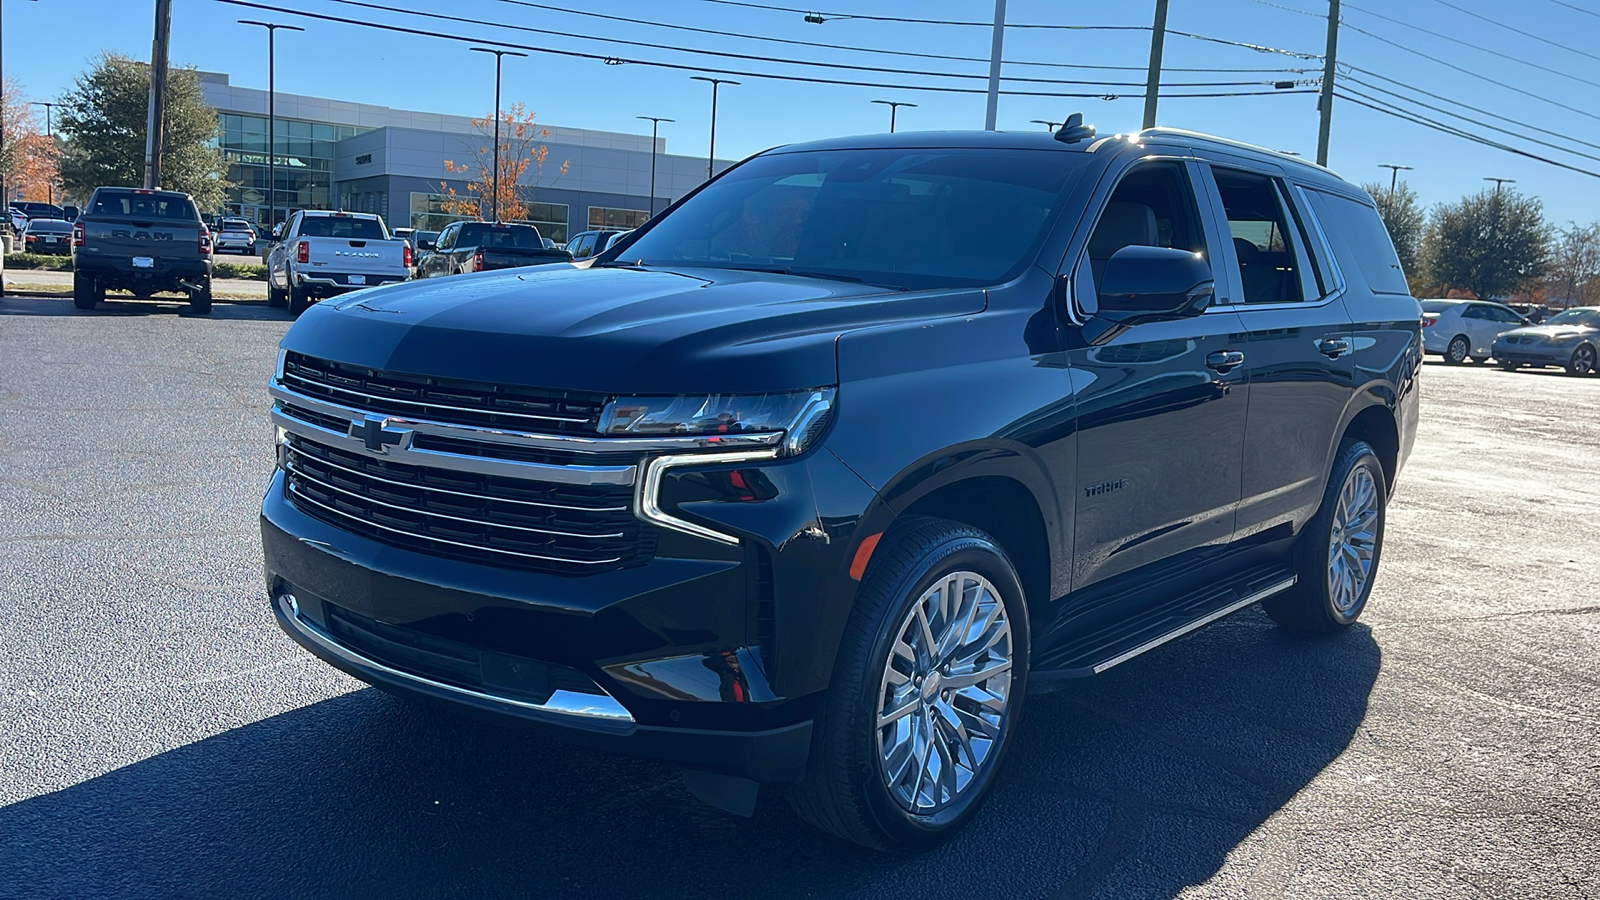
<point x="1154" y="284"/>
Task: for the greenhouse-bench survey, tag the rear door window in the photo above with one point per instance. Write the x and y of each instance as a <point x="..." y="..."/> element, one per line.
<point x="1360" y="241"/>
<point x="1266" y="242"/>
<point x="143" y="204"/>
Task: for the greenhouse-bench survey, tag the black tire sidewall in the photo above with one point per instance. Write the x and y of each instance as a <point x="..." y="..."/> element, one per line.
<point x="1315" y="542"/>
<point x="966" y="550"/>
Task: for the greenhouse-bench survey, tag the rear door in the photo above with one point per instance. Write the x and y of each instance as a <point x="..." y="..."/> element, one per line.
<point x="1161" y="415"/>
<point x="1299" y="346"/>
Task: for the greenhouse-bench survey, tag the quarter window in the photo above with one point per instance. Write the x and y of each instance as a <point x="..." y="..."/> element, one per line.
<point x="1265" y="244"/>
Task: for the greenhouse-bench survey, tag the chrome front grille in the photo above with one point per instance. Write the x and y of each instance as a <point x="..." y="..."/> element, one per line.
<point x="559" y="528"/>
<point x="472" y="403"/>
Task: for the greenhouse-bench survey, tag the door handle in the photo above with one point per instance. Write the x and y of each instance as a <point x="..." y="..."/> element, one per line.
<point x="1333" y="348"/>
<point x="1223" y="360"/>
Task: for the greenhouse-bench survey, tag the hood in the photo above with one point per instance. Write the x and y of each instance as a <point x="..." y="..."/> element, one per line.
<point x="1549" y="331"/>
<point x="613" y="330"/>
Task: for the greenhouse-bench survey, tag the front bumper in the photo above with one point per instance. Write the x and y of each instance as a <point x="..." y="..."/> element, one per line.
<point x="1542" y="354"/>
<point x="673" y="659"/>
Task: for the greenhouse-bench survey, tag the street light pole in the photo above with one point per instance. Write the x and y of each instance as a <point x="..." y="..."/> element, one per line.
<point x="1048" y="125"/>
<point x="711" y="158"/>
<point x="1499" y="183"/>
<point x="894" y="107"/>
<point x="655" y="125"/>
<point x="494" y="203"/>
<point x="1394" y="177"/>
<point x="272" y="117"/>
<point x="50" y="135"/>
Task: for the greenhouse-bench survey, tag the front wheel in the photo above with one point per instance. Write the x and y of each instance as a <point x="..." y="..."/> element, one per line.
<point x="1336" y="558"/>
<point x="1457" y="352"/>
<point x="200" y="301"/>
<point x="1582" y="361"/>
<point x="926" y="692"/>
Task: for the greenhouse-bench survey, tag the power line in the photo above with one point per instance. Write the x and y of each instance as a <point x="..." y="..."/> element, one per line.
<point x="883" y="50"/>
<point x="1526" y="34"/>
<point x="1475" y="123"/>
<point x="1476" y="47"/>
<point x="1452" y="102"/>
<point x="1457" y="132"/>
<point x="1477" y="75"/>
<point x="614" y="60"/>
<point x="921" y="73"/>
<point x="1589" y="12"/>
<point x="911" y="21"/>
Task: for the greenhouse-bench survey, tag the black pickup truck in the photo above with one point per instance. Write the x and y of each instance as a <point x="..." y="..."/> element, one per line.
<point x="143" y="241"/>
<point x="481" y="246"/>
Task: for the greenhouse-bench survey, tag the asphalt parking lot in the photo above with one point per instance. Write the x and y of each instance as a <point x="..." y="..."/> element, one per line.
<point x="160" y="738"/>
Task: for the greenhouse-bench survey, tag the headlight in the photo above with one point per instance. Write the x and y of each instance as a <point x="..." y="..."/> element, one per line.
<point x="1565" y="337"/>
<point x="799" y="415"/>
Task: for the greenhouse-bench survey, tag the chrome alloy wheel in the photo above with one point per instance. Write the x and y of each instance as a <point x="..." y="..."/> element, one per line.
<point x="1354" y="540"/>
<point x="942" y="700"/>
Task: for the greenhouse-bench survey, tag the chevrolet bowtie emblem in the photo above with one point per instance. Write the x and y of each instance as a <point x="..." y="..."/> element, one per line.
<point x="378" y="434"/>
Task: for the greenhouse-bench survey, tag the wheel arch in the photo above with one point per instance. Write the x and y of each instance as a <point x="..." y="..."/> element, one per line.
<point x="1376" y="425"/>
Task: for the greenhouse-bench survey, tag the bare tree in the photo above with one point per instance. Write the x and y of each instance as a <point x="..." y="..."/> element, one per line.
<point x="1575" y="264"/>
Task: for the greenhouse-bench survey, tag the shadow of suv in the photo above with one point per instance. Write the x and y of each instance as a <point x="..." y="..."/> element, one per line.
<point x="818" y="475"/>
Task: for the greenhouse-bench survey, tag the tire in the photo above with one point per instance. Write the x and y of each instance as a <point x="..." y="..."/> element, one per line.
<point x="200" y="301"/>
<point x="1510" y="367"/>
<point x="85" y="293"/>
<point x="1582" y="362"/>
<point x="276" y="298"/>
<point x="1456" y="353"/>
<point x="299" y="300"/>
<point x="849" y="789"/>
<point x="1321" y="602"/>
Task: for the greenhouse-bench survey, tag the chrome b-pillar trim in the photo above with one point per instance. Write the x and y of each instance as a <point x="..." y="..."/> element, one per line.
<point x="648" y="498"/>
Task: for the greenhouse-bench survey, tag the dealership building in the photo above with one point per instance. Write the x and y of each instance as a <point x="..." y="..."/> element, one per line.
<point x="332" y="154"/>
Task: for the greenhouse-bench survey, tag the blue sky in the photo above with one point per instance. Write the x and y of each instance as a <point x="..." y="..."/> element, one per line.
<point x="49" y="41"/>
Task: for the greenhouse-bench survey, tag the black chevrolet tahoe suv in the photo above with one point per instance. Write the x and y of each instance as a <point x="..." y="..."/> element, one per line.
<point x="815" y="478"/>
<point x="143" y="241"/>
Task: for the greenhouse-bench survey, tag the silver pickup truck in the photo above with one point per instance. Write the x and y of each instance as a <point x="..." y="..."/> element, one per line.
<point x="324" y="253"/>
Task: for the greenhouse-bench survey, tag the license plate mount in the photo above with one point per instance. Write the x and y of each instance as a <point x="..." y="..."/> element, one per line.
<point x="358" y="279"/>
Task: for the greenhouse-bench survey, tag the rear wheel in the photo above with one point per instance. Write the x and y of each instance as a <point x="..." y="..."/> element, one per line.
<point x="276" y="297"/>
<point x="926" y="691"/>
<point x="85" y="293"/>
<point x="200" y="301"/>
<point x="1336" y="559"/>
<point x="1459" y="348"/>
<point x="1582" y="361"/>
<point x="299" y="300"/>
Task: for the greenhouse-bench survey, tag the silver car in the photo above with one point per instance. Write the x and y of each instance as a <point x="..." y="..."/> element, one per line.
<point x="1569" y="339"/>
<point x="1459" y="330"/>
<point x="237" y="235"/>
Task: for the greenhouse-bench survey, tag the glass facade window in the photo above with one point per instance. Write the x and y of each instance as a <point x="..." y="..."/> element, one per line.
<point x="304" y="157"/>
<point x="428" y="212"/>
<point x="606" y="217"/>
<point x="550" y="219"/>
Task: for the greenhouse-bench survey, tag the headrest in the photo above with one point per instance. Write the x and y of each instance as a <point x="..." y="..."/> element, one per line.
<point x="1123" y="224"/>
<point x="1246" y="251"/>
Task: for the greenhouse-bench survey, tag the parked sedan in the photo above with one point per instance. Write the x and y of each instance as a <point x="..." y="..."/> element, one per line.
<point x="1569" y="339"/>
<point x="47" y="236"/>
<point x="1461" y="329"/>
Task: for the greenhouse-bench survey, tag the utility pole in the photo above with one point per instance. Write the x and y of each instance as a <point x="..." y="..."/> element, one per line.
<point x="272" y="117"/>
<point x="711" y="157"/>
<point x="5" y="197"/>
<point x="1394" y="177"/>
<point x="1152" y="83"/>
<point x="894" y="107"/>
<point x="49" y="135"/>
<point x="1325" y="102"/>
<point x="994" y="65"/>
<point x="1494" y="226"/>
<point x="156" y="126"/>
<point x="655" y="124"/>
<point x="494" y="203"/>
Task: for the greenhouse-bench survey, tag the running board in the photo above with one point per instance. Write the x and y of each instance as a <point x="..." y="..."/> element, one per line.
<point x="1081" y="650"/>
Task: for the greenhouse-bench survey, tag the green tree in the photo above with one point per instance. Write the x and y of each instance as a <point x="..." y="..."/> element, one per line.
<point x="1491" y="244"/>
<point x="103" y="120"/>
<point x="1405" y="219"/>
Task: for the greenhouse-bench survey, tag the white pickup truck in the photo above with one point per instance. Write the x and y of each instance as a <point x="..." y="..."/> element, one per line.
<point x="324" y="253"/>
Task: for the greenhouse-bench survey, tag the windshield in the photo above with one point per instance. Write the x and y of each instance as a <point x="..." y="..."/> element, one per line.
<point x="39" y="226"/>
<point x="236" y="225"/>
<point x="1438" y="305"/>
<point x="909" y="218"/>
<point x="1589" y="317"/>
<point x="519" y="237"/>
<point x="342" y="227"/>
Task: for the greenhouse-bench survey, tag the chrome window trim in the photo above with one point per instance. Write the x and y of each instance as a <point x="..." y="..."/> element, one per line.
<point x="648" y="497"/>
<point x="477" y="465"/>
<point x="602" y="707"/>
<point x="573" y="443"/>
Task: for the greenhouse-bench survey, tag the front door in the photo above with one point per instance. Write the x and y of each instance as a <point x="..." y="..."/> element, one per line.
<point x="1161" y="415"/>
